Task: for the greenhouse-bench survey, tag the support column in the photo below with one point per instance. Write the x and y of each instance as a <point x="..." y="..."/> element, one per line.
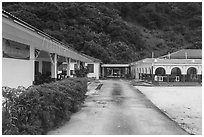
<point x="136" y="75"/>
<point x="200" y="78"/>
<point x="83" y="64"/>
<point x="54" y="66"/>
<point x="32" y="60"/>
<point x="184" y="78"/>
<point x="152" y="77"/>
<point x="40" y="66"/>
<point x="68" y="66"/>
<point x="167" y="78"/>
<point x="125" y="70"/>
<point x="102" y="72"/>
<point x="78" y="64"/>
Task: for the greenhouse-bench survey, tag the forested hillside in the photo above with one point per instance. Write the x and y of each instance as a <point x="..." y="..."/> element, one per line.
<point x="117" y="32"/>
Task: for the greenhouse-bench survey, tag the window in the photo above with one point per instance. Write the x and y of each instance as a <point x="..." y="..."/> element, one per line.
<point x="71" y="72"/>
<point x="90" y="68"/>
<point x="46" y="68"/>
<point x="16" y="50"/>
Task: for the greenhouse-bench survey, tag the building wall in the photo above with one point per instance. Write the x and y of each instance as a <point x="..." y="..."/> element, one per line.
<point x="16" y="72"/>
<point x="96" y="73"/>
<point x="182" y="67"/>
<point x="142" y="69"/>
<point x="145" y="68"/>
<point x="72" y="65"/>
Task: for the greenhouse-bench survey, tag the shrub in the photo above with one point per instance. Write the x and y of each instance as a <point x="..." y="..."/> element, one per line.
<point x="37" y="109"/>
<point x="43" y="78"/>
<point x="81" y="72"/>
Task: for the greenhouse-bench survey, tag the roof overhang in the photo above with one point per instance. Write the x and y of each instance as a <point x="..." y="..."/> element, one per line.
<point x="20" y="31"/>
<point x="115" y="65"/>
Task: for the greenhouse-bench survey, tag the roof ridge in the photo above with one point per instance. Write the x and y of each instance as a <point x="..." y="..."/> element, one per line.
<point x="91" y="57"/>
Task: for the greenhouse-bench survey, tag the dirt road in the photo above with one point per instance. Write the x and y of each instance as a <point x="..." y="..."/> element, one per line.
<point x="118" y="109"/>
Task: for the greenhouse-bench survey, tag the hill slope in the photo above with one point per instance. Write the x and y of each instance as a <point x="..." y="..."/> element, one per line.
<point x="117" y="32"/>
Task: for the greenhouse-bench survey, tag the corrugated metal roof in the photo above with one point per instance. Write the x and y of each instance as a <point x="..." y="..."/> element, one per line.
<point x="39" y="32"/>
<point x="185" y="54"/>
<point x="92" y="58"/>
<point x="167" y="61"/>
<point x="178" y="61"/>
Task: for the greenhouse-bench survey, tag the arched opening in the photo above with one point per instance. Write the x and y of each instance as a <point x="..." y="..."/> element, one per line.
<point x="175" y="75"/>
<point x="192" y="74"/>
<point x="176" y="71"/>
<point x="160" y="74"/>
<point x="160" y="71"/>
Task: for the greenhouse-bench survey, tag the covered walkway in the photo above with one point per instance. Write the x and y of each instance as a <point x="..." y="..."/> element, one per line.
<point x="115" y="70"/>
<point x="27" y="52"/>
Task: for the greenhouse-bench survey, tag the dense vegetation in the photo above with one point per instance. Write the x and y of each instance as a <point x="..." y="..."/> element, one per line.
<point x="38" y="109"/>
<point x="117" y="32"/>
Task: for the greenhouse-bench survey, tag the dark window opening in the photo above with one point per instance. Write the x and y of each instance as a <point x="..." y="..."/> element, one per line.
<point x="36" y="67"/>
<point x="46" y="68"/>
<point x="90" y="68"/>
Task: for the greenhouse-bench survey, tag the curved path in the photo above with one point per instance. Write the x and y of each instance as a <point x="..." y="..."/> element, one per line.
<point x="118" y="109"/>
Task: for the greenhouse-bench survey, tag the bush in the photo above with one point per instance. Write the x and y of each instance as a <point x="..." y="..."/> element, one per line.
<point x="81" y="72"/>
<point x="37" y="109"/>
<point x="43" y="78"/>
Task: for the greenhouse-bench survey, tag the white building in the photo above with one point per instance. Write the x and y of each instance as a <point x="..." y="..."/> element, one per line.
<point x="181" y="66"/>
<point x="28" y="51"/>
<point x="115" y="70"/>
<point x="93" y="67"/>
